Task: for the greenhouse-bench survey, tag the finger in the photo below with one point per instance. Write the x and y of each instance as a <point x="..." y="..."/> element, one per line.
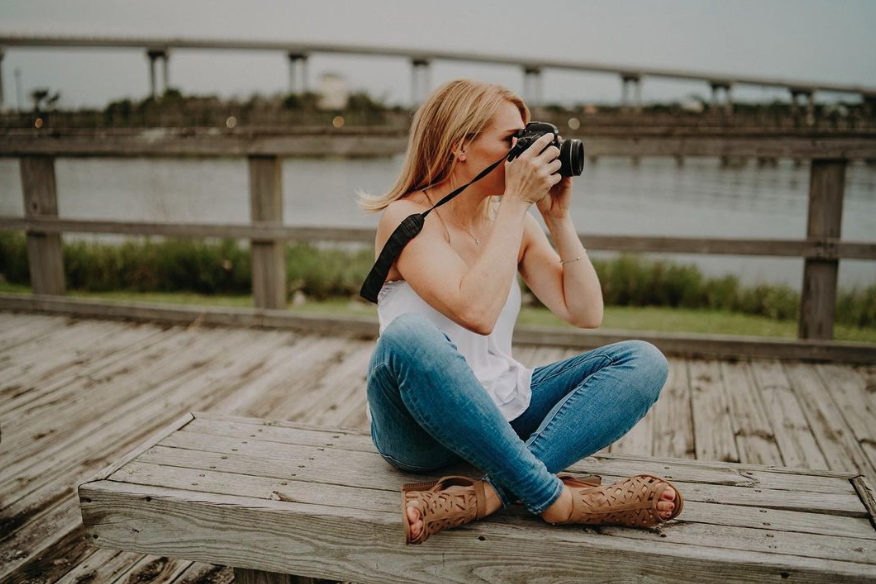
<point x="555" y="178"/>
<point x="538" y="146"/>
<point x="550" y="152"/>
<point x="554" y="165"/>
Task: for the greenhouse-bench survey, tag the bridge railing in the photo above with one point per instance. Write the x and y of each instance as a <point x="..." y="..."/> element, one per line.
<point x="821" y="249"/>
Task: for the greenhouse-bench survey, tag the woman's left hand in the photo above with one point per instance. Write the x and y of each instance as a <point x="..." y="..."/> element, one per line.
<point x="556" y="204"/>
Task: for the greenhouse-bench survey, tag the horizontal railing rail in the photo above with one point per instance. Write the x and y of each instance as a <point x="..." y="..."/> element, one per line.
<point x="820" y="248"/>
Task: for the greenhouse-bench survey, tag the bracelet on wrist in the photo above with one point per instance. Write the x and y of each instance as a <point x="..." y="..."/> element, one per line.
<point x="574" y="260"/>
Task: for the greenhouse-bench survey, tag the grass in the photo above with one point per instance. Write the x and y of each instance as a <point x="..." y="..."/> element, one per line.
<point x="631" y="318"/>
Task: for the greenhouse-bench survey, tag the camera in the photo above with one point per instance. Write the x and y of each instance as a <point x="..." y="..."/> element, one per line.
<point x="571" y="151"/>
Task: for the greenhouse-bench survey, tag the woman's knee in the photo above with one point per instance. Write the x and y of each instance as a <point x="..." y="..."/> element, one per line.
<point x="651" y="365"/>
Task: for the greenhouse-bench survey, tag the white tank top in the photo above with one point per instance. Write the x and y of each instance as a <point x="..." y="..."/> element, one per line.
<point x="506" y="380"/>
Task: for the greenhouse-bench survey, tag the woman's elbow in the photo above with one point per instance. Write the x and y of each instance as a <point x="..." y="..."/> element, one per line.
<point x="592" y="322"/>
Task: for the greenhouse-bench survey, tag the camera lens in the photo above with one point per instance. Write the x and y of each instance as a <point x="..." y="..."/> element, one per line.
<point x="571" y="158"/>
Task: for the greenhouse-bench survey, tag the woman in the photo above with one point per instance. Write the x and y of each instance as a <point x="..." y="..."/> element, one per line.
<point x="442" y="384"/>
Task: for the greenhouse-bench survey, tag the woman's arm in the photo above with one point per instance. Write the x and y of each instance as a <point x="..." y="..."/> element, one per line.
<point x="570" y="290"/>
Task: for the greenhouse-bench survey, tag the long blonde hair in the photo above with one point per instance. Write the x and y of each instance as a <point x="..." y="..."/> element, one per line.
<point x="451" y="116"/>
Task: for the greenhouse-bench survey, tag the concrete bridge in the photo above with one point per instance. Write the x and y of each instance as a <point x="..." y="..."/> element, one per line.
<point x="722" y="85"/>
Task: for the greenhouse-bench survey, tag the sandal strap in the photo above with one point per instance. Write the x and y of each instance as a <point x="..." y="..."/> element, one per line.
<point x="641" y="511"/>
<point x="481" y="497"/>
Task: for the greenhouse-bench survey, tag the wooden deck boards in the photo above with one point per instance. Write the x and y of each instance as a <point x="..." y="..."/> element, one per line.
<point x="76" y="394"/>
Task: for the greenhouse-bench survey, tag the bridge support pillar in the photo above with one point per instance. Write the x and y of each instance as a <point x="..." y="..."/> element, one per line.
<point x="809" y="96"/>
<point x="728" y="99"/>
<point x="636" y="81"/>
<point x="297" y="78"/>
<point x="165" y="70"/>
<point x="2" y="95"/>
<point x="715" y="104"/>
<point x="533" y="88"/>
<point x="154" y="55"/>
<point x="421" y="81"/>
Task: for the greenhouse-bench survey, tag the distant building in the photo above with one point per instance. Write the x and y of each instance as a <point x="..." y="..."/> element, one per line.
<point x="333" y="92"/>
<point x="692" y="104"/>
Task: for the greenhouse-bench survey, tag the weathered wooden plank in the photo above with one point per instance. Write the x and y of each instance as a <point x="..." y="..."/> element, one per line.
<point x="200" y="573"/>
<point x="754" y="435"/>
<point x="673" y="429"/>
<point x="835" y="439"/>
<point x="790" y="426"/>
<point x="152" y="568"/>
<point x="282" y="432"/>
<point x="172" y="365"/>
<point x="849" y="391"/>
<point x="104" y="369"/>
<point x="713" y="428"/>
<point x="101" y="565"/>
<point x="228" y="479"/>
<point x="336" y="394"/>
<point x="302" y="358"/>
<point x="287" y="532"/>
<point x="139" y="414"/>
<point x="113" y="439"/>
<point x="318" y="465"/>
<point x="40" y="327"/>
<point x="244" y="576"/>
<point x="43" y="365"/>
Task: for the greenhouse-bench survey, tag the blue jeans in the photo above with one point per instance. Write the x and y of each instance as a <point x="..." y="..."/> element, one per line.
<point x="429" y="410"/>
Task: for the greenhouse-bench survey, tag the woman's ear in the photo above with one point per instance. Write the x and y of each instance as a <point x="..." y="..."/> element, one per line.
<point x="460" y="152"/>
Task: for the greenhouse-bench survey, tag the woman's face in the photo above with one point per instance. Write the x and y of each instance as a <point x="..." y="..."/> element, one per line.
<point x="489" y="146"/>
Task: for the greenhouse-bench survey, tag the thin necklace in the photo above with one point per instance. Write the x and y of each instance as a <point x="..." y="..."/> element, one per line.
<point x="477" y="241"/>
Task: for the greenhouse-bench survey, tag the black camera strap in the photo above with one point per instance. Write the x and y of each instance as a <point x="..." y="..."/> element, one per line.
<point x="406" y="231"/>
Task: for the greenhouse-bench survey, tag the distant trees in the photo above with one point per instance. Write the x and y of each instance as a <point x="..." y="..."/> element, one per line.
<point x="43" y="97"/>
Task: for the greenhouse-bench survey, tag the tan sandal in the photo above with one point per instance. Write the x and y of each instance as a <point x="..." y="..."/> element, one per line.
<point x="621" y="503"/>
<point x="440" y="510"/>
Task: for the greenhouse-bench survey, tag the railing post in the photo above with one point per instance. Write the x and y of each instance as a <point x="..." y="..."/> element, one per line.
<point x="44" y="255"/>
<point x="818" y="302"/>
<point x="268" y="257"/>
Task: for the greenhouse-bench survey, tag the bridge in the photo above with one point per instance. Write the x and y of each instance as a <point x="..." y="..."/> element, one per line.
<point x="159" y="48"/>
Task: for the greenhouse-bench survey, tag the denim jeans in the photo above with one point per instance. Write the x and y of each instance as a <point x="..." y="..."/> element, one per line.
<point x="429" y="410"/>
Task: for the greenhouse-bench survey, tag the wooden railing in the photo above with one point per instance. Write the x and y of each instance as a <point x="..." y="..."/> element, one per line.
<point x="821" y="249"/>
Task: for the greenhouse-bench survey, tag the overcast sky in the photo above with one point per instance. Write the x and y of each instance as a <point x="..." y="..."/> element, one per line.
<point x="829" y="41"/>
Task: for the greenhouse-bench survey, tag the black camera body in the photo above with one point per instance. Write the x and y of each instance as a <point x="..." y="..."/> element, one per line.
<point x="571" y="151"/>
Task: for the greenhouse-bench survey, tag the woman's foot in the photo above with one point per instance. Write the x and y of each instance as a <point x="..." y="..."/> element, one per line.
<point x="414" y="512"/>
<point x="561" y="510"/>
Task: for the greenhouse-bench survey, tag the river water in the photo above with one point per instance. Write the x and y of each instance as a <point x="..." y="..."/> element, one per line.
<point x="613" y="196"/>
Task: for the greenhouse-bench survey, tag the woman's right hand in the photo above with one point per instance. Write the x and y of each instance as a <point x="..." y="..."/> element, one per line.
<point x="531" y="175"/>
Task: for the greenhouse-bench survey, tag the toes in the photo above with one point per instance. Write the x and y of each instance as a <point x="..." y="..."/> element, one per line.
<point x="665" y="508"/>
<point x="668" y="494"/>
<point x="413" y="513"/>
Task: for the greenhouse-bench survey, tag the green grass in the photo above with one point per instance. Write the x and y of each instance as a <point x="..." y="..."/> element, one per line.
<point x="660" y="319"/>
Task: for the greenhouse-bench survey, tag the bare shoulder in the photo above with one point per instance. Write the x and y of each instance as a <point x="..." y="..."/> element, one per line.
<point x="396" y="212"/>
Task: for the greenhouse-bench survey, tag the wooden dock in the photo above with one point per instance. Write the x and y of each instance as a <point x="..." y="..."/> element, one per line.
<point x="76" y="394"/>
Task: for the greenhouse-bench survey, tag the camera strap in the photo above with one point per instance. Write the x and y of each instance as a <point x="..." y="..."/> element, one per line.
<point x="406" y="231"/>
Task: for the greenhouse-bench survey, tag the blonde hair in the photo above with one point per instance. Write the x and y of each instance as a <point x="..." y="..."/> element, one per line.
<point x="451" y="116"/>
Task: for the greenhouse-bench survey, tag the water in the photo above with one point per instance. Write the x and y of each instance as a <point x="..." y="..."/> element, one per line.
<point x="612" y="197"/>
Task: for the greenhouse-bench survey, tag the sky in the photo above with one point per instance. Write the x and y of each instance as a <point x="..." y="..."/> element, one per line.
<point x="827" y="41"/>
